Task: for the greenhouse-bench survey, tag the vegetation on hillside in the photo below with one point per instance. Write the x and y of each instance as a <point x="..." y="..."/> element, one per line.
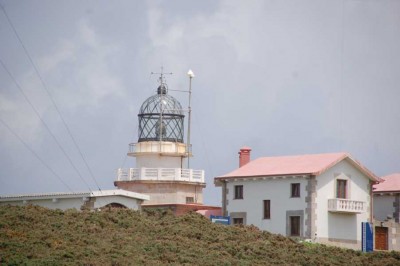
<point x="37" y="236"/>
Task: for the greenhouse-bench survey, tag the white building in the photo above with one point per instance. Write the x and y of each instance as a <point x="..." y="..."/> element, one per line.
<point x="79" y="200"/>
<point x="387" y="213"/>
<point x="162" y="157"/>
<point x="322" y="197"/>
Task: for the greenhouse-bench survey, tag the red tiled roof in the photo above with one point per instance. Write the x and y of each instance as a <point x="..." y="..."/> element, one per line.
<point x="391" y="183"/>
<point x="311" y="164"/>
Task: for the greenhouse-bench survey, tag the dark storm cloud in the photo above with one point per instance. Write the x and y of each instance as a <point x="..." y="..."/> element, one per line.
<point x="283" y="77"/>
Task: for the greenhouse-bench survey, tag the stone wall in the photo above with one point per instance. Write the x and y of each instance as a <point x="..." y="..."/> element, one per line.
<point x="393" y="233"/>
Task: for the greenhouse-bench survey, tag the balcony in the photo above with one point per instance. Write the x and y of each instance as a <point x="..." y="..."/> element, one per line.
<point x="346" y="206"/>
<point x="160" y="174"/>
<point x="164" y="147"/>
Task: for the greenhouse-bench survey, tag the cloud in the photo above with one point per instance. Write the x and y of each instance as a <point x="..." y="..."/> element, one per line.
<point x="81" y="69"/>
<point x="65" y="53"/>
<point x="284" y="77"/>
<point x="77" y="74"/>
<point x="26" y="125"/>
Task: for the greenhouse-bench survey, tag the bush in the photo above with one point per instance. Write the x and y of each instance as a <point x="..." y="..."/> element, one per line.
<point x="34" y="235"/>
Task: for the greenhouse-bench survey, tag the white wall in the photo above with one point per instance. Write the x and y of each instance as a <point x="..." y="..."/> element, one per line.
<point x="62" y="204"/>
<point x="76" y="203"/>
<point x="276" y="190"/>
<point x="339" y="225"/>
<point x="383" y="207"/>
<point x="127" y="202"/>
<point x="158" y="161"/>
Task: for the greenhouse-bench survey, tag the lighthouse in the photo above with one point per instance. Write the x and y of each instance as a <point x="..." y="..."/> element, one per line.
<point x="161" y="154"/>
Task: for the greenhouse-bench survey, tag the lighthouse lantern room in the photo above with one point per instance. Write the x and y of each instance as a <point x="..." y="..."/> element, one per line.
<point x="161" y="154"/>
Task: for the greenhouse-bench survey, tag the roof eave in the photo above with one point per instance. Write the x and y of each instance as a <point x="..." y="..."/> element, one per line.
<point x="356" y="164"/>
<point x="364" y="170"/>
<point x="386" y="192"/>
<point x="226" y="178"/>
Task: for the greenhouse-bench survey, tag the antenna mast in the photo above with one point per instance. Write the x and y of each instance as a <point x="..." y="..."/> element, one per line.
<point x="161" y="79"/>
<point x="191" y="75"/>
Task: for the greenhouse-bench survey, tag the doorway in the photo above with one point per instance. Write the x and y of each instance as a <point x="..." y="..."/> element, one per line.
<point x="381" y="238"/>
<point x="294" y="225"/>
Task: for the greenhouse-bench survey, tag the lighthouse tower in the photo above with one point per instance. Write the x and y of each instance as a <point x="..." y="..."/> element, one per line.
<point x="162" y="156"/>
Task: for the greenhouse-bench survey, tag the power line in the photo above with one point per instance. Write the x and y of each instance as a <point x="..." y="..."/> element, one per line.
<point x="50" y="96"/>
<point x="34" y="153"/>
<point x="44" y="123"/>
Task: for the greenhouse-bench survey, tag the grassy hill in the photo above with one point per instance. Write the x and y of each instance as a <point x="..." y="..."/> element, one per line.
<point x="37" y="236"/>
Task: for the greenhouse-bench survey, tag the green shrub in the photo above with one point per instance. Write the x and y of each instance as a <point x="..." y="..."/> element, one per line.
<point x="36" y="236"/>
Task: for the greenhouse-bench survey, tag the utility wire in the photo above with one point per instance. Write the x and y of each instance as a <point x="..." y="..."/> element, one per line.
<point x="50" y="96"/>
<point x="34" y="153"/>
<point x="44" y="123"/>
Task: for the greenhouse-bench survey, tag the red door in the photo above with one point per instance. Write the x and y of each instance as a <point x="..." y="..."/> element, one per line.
<point x="381" y="238"/>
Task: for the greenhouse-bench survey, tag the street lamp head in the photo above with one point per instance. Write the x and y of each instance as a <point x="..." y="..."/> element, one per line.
<point x="190" y="73"/>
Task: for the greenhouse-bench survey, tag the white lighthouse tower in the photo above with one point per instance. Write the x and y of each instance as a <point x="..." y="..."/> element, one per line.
<point x="162" y="158"/>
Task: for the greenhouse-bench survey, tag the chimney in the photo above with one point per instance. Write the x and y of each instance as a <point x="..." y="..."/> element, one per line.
<point x="244" y="156"/>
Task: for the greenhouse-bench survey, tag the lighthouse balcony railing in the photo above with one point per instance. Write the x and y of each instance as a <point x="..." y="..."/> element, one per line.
<point x="165" y="147"/>
<point x="160" y="174"/>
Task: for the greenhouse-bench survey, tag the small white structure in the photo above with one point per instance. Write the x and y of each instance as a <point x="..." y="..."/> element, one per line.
<point x="80" y="200"/>
<point x="387" y="213"/>
<point x="321" y="197"/>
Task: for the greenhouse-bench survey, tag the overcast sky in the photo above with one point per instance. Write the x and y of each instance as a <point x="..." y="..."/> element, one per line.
<point x="283" y="77"/>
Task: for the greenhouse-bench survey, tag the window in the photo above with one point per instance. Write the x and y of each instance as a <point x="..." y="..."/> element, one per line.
<point x="295" y="190"/>
<point x="238" y="192"/>
<point x="189" y="200"/>
<point x="267" y="209"/>
<point x="341" y="189"/>
<point x="237" y="220"/>
<point x="295" y="225"/>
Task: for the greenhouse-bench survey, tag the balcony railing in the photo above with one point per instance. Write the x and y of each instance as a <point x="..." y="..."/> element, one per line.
<point x="162" y="174"/>
<point x="346" y="206"/>
<point x="177" y="148"/>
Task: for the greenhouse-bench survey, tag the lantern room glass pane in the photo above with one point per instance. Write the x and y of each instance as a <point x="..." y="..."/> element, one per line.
<point x="161" y="109"/>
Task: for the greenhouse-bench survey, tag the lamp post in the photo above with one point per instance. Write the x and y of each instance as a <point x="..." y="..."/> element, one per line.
<point x="191" y="76"/>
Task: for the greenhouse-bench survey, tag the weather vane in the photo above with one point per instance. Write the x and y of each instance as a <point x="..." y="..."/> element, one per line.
<point x="161" y="79"/>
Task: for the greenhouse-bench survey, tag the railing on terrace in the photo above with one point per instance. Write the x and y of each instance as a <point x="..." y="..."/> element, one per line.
<point x="346" y="205"/>
<point x="160" y="147"/>
<point x="163" y="174"/>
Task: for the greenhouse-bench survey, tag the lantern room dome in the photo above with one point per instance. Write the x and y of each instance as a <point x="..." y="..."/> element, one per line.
<point x="161" y="118"/>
